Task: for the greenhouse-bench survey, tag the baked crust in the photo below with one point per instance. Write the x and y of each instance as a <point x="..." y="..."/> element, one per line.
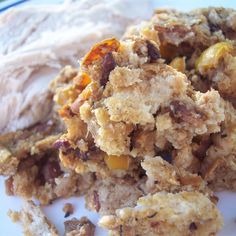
<point x="152" y="112"/>
<point x="184" y="213"/>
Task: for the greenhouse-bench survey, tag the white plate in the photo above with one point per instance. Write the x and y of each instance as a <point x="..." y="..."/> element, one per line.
<point x="55" y="213"/>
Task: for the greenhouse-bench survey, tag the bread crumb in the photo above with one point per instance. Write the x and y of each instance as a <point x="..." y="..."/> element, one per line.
<point x="15" y="216"/>
<point x="68" y="209"/>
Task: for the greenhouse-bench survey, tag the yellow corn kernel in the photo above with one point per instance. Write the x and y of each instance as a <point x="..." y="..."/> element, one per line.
<point x="85" y="80"/>
<point x="117" y="162"/>
<point x="210" y="57"/>
<point x="178" y="63"/>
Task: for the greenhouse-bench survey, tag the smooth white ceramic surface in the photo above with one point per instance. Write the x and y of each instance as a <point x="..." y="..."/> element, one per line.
<point x="54" y="212"/>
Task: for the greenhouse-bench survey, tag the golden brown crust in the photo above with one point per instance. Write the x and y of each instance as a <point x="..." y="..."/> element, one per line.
<point x="162" y="176"/>
<point x="184" y="213"/>
<point x="151" y="112"/>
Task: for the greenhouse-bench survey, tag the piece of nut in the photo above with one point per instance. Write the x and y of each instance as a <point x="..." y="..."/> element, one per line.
<point x="51" y="170"/>
<point x="96" y="201"/>
<point x="153" y="51"/>
<point x="108" y="65"/>
<point x="180" y="112"/>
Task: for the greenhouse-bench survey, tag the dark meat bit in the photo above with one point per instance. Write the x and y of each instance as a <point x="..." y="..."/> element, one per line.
<point x="192" y="226"/>
<point x="61" y="144"/>
<point x="165" y="155"/>
<point x="51" y="170"/>
<point x="204" y="144"/>
<point x="132" y="137"/>
<point x="96" y="201"/>
<point x="121" y="230"/>
<point x="93" y="147"/>
<point x="153" y="52"/>
<point x="181" y="113"/>
<point x="82" y="155"/>
<point x="213" y="27"/>
<point x="108" y="65"/>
